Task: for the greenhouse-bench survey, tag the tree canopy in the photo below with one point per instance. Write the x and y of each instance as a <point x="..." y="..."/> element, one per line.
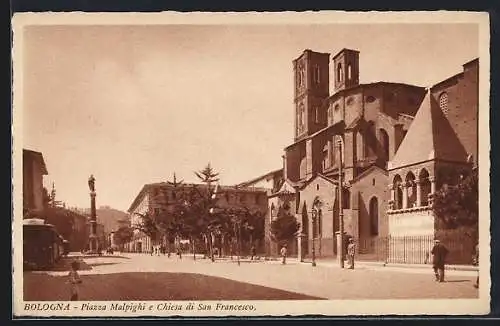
<point x="457" y="205"/>
<point x="285" y="226"/>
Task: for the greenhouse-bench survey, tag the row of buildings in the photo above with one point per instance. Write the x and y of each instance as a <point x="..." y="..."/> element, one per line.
<point x="72" y="223"/>
<point x="393" y="145"/>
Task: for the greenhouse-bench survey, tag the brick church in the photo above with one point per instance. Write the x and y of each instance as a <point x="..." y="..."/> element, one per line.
<point x="397" y="144"/>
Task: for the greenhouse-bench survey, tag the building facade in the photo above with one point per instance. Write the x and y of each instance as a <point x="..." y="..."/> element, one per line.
<point x="33" y="171"/>
<point x="157" y="197"/>
<point x="396" y="144"/>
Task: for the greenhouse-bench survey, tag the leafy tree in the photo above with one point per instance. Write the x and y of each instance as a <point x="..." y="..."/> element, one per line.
<point x="284" y="227"/>
<point x="457" y="205"/>
<point x="123" y="235"/>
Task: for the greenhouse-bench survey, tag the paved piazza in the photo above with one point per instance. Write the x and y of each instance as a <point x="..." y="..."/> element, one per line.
<point x="143" y="277"/>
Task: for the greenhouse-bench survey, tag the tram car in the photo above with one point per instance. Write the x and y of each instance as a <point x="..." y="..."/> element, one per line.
<point x="43" y="246"/>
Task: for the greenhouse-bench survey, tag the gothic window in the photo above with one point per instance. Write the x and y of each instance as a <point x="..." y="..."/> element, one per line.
<point x="443" y="102"/>
<point x="370" y="140"/>
<point x="384" y="140"/>
<point x="374" y="216"/>
<point x="411" y="189"/>
<point x="349" y="72"/>
<point x="330" y="115"/>
<point x="425" y="187"/>
<point x="316" y="114"/>
<point x="326" y="161"/>
<point x="346" y="199"/>
<point x="301" y="118"/>
<point x="339" y="72"/>
<point x="398" y="192"/>
<point x="316" y="74"/>
<point x="300" y="75"/>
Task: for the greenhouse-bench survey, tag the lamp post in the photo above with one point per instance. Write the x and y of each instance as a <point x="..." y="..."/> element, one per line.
<point x="314" y="217"/>
<point x="340" y="238"/>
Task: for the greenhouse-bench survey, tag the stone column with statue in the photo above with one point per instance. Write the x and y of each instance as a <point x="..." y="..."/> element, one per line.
<point x="93" y="243"/>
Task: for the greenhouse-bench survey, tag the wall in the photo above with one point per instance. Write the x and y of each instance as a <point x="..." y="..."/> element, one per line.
<point x="411" y="222"/>
<point x="463" y="97"/>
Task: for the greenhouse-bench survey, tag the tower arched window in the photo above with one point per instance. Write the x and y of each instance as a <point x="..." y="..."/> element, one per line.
<point x="316" y="74"/>
<point x="443" y="102"/>
<point x="374" y="216"/>
<point x="339" y="72"/>
<point x="349" y="72"/>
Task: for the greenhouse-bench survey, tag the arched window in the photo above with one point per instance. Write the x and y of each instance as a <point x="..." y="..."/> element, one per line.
<point x="330" y="116"/>
<point x="443" y="102"/>
<point x="346" y="199"/>
<point x="384" y="141"/>
<point x="412" y="190"/>
<point x="316" y="77"/>
<point x="374" y="216"/>
<point x="349" y="72"/>
<point x="300" y="118"/>
<point x="398" y="192"/>
<point x="425" y="187"/>
<point x="370" y="140"/>
<point x="316" y="114"/>
<point x="302" y="168"/>
<point x="339" y="72"/>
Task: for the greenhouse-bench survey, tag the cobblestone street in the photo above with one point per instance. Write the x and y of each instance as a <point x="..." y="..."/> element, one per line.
<point x="145" y="277"/>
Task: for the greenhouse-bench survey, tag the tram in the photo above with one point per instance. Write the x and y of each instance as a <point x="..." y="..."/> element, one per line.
<point x="43" y="246"/>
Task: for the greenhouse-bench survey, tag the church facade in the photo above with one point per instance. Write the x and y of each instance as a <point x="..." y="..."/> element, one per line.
<point x="394" y="145"/>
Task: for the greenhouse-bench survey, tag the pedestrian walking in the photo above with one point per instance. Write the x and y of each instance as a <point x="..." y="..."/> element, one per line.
<point x="351" y="251"/>
<point x="475" y="262"/>
<point x="74" y="280"/>
<point x="439" y="253"/>
<point x="253" y="251"/>
<point x="283" y="254"/>
<point x="152" y="250"/>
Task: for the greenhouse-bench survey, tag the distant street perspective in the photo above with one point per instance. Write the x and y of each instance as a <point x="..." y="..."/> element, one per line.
<point x="212" y="163"/>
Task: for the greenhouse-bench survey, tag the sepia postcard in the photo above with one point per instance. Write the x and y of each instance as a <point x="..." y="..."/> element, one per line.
<point x="250" y="164"/>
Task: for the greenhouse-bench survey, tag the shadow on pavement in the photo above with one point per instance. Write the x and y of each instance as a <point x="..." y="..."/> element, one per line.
<point x="152" y="286"/>
<point x="457" y="281"/>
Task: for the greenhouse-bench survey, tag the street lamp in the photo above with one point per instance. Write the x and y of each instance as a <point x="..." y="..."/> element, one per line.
<point x="340" y="239"/>
<point x="314" y="217"/>
<point x="237" y="233"/>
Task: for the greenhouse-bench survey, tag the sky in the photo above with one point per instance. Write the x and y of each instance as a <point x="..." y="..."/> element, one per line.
<point x="134" y="104"/>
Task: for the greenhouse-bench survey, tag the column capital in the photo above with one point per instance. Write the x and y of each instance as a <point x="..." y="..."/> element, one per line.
<point x="391" y="186"/>
<point x="432" y="178"/>
<point x="418" y="181"/>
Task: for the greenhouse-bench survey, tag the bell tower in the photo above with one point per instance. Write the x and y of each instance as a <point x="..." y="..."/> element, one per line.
<point x="311" y="87"/>
<point x="346" y="69"/>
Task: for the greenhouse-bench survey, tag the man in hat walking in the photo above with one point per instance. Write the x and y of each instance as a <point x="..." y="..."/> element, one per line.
<point x="439" y="252"/>
<point x="351" y="251"/>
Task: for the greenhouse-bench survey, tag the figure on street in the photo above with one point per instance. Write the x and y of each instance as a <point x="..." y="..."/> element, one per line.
<point x="439" y="253"/>
<point x="74" y="280"/>
<point x="475" y="262"/>
<point x="283" y="254"/>
<point x="351" y="251"/>
<point x="253" y="251"/>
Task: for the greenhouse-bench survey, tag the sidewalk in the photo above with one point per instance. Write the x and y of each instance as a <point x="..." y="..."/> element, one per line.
<point x="463" y="270"/>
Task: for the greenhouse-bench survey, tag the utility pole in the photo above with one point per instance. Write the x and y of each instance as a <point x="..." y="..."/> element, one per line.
<point x="340" y="236"/>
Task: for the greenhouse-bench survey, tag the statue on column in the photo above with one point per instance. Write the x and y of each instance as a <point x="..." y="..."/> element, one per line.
<point x="92" y="183"/>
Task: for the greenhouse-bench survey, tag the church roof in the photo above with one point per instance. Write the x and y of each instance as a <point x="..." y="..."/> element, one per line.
<point x="430" y="137"/>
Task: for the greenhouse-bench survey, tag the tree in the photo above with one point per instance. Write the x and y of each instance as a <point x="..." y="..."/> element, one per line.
<point x="123" y="235"/>
<point x="457" y="205"/>
<point x="284" y="227"/>
<point x="209" y="222"/>
<point x="207" y="175"/>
